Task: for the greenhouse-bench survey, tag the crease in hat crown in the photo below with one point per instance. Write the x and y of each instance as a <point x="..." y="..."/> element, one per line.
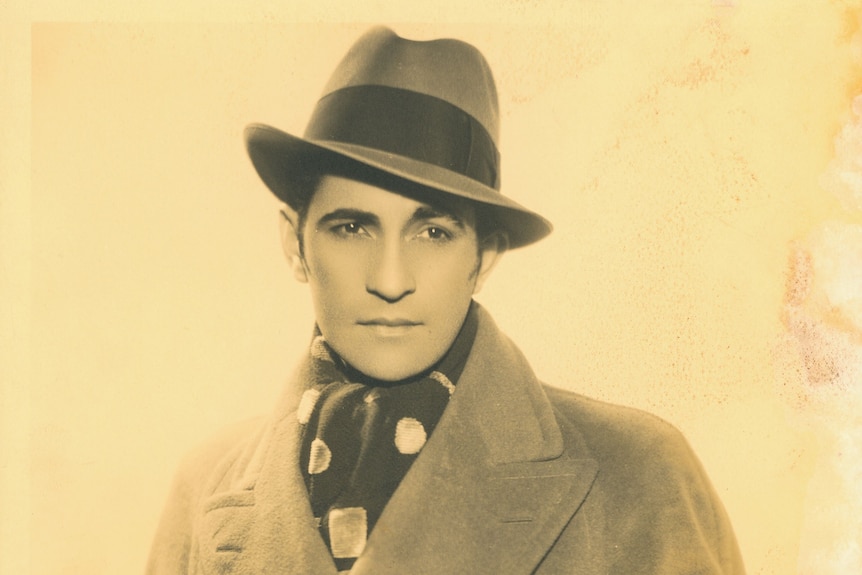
<point x="423" y="111"/>
<point x="381" y="57"/>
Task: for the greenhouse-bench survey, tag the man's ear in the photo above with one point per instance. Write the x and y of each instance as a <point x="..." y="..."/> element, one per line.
<point x="491" y="250"/>
<point x="288" y="223"/>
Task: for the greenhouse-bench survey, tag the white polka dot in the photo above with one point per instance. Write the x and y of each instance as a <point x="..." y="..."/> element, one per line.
<point x="319" y="458"/>
<point x="318" y="349"/>
<point x="306" y="405"/>
<point x="443" y="380"/>
<point x="348" y="531"/>
<point x="371" y="396"/>
<point x="410" y="435"/>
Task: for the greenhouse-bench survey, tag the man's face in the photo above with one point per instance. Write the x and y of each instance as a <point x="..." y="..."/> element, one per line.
<point x="391" y="277"/>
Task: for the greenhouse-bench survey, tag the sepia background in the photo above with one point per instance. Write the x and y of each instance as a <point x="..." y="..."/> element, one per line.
<point x="698" y="160"/>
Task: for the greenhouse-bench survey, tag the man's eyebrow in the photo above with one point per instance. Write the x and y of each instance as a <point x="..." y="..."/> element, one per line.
<point x="423" y="213"/>
<point x="351" y="214"/>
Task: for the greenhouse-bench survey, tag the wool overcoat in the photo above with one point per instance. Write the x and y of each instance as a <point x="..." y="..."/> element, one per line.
<point x="518" y="477"/>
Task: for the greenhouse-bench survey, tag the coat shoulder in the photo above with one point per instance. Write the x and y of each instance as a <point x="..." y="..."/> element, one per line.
<point x="614" y="431"/>
<point x="636" y="450"/>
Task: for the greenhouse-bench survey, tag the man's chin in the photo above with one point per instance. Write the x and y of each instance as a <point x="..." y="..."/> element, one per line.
<point x="391" y="375"/>
<point x="389" y="367"/>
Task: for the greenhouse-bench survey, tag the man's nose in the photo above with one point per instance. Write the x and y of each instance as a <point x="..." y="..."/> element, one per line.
<point x="390" y="277"/>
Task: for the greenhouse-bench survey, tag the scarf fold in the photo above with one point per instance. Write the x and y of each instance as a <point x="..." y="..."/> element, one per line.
<point x="360" y="437"/>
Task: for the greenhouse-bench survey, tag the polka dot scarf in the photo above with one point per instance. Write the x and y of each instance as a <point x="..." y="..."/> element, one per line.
<point x="359" y="438"/>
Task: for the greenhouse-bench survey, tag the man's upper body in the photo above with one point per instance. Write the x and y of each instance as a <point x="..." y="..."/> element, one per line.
<point x="414" y="437"/>
<point x="518" y="477"/>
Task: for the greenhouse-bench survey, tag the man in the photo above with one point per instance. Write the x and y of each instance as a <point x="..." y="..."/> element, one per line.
<point x="414" y="437"/>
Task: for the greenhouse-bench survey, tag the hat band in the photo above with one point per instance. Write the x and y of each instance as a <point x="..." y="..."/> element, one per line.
<point x="407" y="123"/>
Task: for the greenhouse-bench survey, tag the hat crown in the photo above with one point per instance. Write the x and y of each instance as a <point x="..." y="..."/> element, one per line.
<point x="448" y="69"/>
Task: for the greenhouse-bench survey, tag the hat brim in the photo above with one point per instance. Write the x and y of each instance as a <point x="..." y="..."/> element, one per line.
<point x="281" y="159"/>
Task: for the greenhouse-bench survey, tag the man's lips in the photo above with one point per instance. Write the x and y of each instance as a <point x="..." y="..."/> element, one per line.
<point x="389" y="322"/>
<point x="387" y="327"/>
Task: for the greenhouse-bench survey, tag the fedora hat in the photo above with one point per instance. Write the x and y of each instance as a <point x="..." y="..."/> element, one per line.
<point x="422" y="111"/>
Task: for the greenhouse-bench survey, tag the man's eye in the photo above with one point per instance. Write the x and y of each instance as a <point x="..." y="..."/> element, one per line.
<point x="349" y="229"/>
<point x="435" y="233"/>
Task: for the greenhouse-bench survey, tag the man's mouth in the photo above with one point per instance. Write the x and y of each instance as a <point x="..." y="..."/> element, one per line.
<point x="389" y="327"/>
<point x="389" y="322"/>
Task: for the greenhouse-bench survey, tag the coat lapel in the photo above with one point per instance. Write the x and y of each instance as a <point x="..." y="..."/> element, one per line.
<point x="265" y="525"/>
<point x="494" y="485"/>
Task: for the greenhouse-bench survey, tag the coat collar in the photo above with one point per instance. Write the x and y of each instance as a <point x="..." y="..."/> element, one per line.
<point x="491" y="491"/>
